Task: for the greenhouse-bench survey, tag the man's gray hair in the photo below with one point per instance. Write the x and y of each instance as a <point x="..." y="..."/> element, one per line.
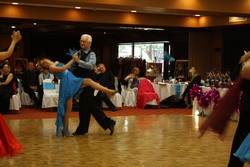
<point x="88" y="36"/>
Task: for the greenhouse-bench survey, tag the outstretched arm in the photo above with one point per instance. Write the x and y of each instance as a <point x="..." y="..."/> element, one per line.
<point x="16" y="37"/>
<point x="245" y="71"/>
<point x="54" y="68"/>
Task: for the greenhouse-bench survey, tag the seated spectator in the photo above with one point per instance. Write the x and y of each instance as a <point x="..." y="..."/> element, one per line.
<point x="129" y="94"/>
<point x="106" y="79"/>
<point x="133" y="78"/>
<point x="195" y="79"/>
<point x="31" y="84"/>
<point x="45" y="74"/>
<point x="6" y="89"/>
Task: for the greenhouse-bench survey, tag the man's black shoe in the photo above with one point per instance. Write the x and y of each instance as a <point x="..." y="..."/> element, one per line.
<point x="78" y="133"/>
<point x="111" y="127"/>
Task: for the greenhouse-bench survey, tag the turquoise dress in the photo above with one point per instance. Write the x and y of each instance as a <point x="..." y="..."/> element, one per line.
<point x="69" y="86"/>
<point x="243" y="153"/>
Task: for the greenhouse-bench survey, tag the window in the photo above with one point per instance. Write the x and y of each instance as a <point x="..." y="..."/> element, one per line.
<point x="152" y="52"/>
<point x="125" y="50"/>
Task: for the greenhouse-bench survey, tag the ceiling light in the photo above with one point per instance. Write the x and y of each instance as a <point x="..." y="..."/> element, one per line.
<point x="148" y="28"/>
<point x="13" y="27"/>
<point x="14" y="3"/>
<point x="34" y="24"/>
<point x="133" y="11"/>
<point x="197" y="15"/>
<point x="237" y="19"/>
<point x="77" y="7"/>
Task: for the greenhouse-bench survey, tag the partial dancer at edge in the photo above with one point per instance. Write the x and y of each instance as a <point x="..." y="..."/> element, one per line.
<point x="9" y="146"/>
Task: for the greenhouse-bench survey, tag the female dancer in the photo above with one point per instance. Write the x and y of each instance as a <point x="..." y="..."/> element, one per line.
<point x="9" y="146"/>
<point x="69" y="86"/>
<point x="218" y="119"/>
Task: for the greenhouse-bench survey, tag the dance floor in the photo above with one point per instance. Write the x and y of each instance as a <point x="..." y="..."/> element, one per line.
<point x="141" y="140"/>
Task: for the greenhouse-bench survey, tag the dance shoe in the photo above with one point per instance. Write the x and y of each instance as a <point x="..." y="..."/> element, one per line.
<point x="78" y="133"/>
<point x="111" y="127"/>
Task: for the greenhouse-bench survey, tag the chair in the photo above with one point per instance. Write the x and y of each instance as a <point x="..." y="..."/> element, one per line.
<point x="116" y="100"/>
<point x="15" y="102"/>
<point x="129" y="96"/>
<point x="50" y="94"/>
<point x="25" y="98"/>
<point x="146" y="94"/>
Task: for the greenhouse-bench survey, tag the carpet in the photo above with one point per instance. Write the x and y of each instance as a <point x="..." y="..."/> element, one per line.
<point x="33" y="113"/>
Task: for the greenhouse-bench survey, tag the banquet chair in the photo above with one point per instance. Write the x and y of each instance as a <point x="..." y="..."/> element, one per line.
<point x="146" y="94"/>
<point x="50" y="94"/>
<point x="25" y="98"/>
<point x="129" y="96"/>
<point x="15" y="102"/>
<point x="116" y="100"/>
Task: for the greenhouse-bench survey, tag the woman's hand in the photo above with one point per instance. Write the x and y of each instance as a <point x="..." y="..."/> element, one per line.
<point x="16" y="36"/>
<point x="245" y="57"/>
<point x="76" y="58"/>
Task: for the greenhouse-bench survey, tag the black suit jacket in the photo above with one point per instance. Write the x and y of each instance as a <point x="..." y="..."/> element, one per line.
<point x="107" y="79"/>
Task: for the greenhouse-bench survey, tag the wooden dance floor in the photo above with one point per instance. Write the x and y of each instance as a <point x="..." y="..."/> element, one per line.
<point x="138" y="141"/>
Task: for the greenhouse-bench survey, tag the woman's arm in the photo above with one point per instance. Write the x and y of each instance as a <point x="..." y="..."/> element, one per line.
<point x="9" y="78"/>
<point x="16" y="37"/>
<point x="130" y="76"/>
<point x="54" y="68"/>
<point x="245" y="70"/>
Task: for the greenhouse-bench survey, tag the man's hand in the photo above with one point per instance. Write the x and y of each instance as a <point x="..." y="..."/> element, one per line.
<point x="34" y="88"/>
<point x="76" y="58"/>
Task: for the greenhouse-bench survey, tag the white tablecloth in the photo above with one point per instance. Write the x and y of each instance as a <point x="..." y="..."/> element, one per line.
<point x="167" y="89"/>
<point x="209" y="109"/>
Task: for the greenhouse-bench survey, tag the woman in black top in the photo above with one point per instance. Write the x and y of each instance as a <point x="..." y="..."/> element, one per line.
<point x="6" y="89"/>
<point x="196" y="79"/>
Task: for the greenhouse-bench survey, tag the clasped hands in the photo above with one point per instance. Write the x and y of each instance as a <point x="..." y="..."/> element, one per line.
<point x="34" y="88"/>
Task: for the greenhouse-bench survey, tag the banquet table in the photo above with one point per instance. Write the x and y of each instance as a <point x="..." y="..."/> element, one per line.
<point x="207" y="111"/>
<point x="165" y="90"/>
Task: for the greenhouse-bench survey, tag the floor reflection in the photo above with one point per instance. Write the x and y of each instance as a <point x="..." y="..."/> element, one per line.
<point x="138" y="141"/>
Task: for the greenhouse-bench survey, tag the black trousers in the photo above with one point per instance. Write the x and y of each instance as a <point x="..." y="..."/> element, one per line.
<point x="241" y="132"/>
<point x="186" y="93"/>
<point x="5" y="96"/>
<point x="87" y="106"/>
<point x="103" y="97"/>
<point x="31" y="93"/>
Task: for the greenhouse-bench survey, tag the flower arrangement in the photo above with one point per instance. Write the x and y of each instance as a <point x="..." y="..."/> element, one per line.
<point x="204" y="99"/>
